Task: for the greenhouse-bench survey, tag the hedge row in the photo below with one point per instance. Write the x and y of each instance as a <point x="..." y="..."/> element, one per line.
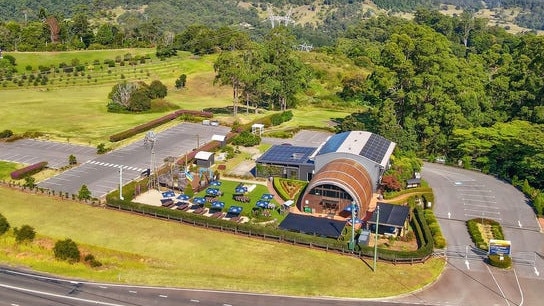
<point x="279" y="189"/>
<point x="28" y="170"/>
<point x="476" y="235"/>
<point x="424" y="190"/>
<point x="438" y="238"/>
<point x="157" y="122"/>
<point x="495" y="261"/>
<point x="270" y="120"/>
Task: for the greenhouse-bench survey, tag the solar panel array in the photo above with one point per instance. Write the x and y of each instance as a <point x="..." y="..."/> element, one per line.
<point x="313" y="225"/>
<point x="286" y="154"/>
<point x="334" y="143"/>
<point x="375" y="148"/>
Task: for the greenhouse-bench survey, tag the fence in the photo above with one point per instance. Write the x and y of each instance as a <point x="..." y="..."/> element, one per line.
<point x="388" y="257"/>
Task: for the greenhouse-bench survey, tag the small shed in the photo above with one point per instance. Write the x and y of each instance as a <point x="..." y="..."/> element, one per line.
<point x="393" y="219"/>
<point x="257" y="128"/>
<point x="204" y="159"/>
<point x="221" y="138"/>
<point x="413" y="183"/>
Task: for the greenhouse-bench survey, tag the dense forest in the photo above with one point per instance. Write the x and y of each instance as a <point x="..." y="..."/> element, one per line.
<point x="437" y="85"/>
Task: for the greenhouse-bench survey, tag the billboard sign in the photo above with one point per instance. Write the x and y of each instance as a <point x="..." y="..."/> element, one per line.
<point x="499" y="247"/>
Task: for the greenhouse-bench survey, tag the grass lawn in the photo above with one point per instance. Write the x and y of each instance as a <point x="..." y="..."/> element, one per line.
<point x="6" y="168"/>
<point x="141" y="250"/>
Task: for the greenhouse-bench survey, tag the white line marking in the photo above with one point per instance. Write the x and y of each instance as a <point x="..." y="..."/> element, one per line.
<point x="163" y="296"/>
<point x="58" y="295"/>
<point x="480" y="216"/>
<point x="132" y="291"/>
<point x="485" y="212"/>
<point x="483" y="201"/>
<point x="195" y="301"/>
<point x="519" y="286"/>
<point x="468" y="264"/>
<point x="498" y="286"/>
<point x="519" y="224"/>
<point x="481" y="206"/>
<point x="477" y="195"/>
<point x="536" y="272"/>
<point x="103" y="287"/>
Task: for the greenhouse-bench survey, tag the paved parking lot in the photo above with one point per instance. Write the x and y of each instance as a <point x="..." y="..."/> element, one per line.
<point x="31" y="151"/>
<point x="101" y="174"/>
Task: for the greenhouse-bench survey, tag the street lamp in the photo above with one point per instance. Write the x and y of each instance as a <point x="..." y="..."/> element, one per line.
<point x="376" y="241"/>
<point x="352" y="240"/>
<point x="121" y="183"/>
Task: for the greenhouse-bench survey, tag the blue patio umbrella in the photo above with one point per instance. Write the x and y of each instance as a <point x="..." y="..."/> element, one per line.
<point x="267" y="197"/>
<point x="350" y="207"/>
<point x="240" y="189"/>
<point x="215" y="183"/>
<point x="262" y="204"/>
<point x="212" y="191"/>
<point x="183" y="197"/>
<point x="218" y="205"/>
<point x="168" y="194"/>
<point x="235" y="209"/>
<point x="199" y="201"/>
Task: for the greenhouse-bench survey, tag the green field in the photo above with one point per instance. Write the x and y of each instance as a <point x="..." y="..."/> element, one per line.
<point x="139" y="250"/>
<point x="72" y="107"/>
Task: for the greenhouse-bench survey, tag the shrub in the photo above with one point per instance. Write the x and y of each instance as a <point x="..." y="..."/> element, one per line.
<point x="4" y="224"/>
<point x="84" y="193"/>
<point x="246" y="139"/>
<point x="101" y="148"/>
<point x="495" y="261"/>
<point x="66" y="250"/>
<point x="93" y="262"/>
<point x="25" y="233"/>
<point x="6" y="134"/>
<point x="27" y="171"/>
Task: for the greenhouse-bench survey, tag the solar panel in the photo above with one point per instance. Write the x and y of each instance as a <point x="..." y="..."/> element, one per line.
<point x="286" y="155"/>
<point x="375" y="148"/>
<point x="334" y="143"/>
<point x="313" y="225"/>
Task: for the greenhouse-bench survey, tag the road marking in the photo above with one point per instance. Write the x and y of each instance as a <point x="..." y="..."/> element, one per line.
<point x="536" y="272"/>
<point x="163" y="296"/>
<point x="103" y="287"/>
<point x="449" y="215"/>
<point x="132" y="291"/>
<point x="43" y="293"/>
<point x="498" y="286"/>
<point x="195" y="301"/>
<point x="468" y="264"/>
<point x="485" y="212"/>
<point x="519" y="287"/>
<point x="482" y="201"/>
<point x="519" y="224"/>
<point x="477" y="195"/>
<point x="480" y="216"/>
<point x="481" y="206"/>
<point x="14" y="304"/>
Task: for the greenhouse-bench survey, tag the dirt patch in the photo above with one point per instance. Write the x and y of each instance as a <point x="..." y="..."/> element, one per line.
<point x="541" y="222"/>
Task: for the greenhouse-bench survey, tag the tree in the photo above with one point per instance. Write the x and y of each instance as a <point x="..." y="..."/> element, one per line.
<point x="66" y="250"/>
<point x="25" y="233"/>
<point x="181" y="81"/>
<point x="72" y="160"/>
<point x="84" y="193"/>
<point x="139" y="101"/>
<point x="157" y="90"/>
<point x="4" y="224"/>
<point x="30" y="182"/>
<point x="122" y="92"/>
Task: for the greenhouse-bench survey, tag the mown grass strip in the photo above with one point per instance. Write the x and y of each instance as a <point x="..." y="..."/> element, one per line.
<point x="173" y="254"/>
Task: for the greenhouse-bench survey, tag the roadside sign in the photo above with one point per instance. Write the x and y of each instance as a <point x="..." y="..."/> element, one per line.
<point x="499" y="247"/>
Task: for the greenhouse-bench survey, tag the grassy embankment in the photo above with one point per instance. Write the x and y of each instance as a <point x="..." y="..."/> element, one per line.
<point x="73" y="108"/>
<point x="140" y="250"/>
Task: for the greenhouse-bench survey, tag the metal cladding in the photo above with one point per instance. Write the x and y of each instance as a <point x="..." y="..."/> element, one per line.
<point x="350" y="176"/>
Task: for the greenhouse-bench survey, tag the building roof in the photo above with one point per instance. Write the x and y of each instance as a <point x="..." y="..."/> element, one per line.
<point x="288" y="155"/>
<point x="372" y="146"/>
<point x="349" y="175"/>
<point x="313" y="225"/>
<point x="390" y="215"/>
<point x="203" y="155"/>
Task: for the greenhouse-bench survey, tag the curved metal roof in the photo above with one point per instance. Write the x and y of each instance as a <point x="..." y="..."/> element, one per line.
<point x="349" y="175"/>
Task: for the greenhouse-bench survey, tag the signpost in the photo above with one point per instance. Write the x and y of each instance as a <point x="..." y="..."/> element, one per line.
<point x="499" y="247"/>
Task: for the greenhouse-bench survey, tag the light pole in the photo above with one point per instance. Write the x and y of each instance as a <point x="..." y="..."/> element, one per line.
<point x="376" y="238"/>
<point x="352" y="240"/>
<point x="121" y="183"/>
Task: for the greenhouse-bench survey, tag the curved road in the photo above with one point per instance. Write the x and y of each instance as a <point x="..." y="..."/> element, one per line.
<point x="467" y="280"/>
